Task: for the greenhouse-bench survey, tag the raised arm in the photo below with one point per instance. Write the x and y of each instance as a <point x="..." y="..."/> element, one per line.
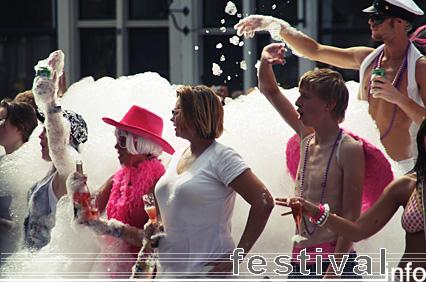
<point x="302" y="44"/>
<point x="45" y="90"/>
<point x="274" y="54"/>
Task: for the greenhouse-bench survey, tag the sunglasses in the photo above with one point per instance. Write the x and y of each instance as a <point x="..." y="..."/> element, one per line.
<point x="378" y="18"/>
<point x="121" y="141"/>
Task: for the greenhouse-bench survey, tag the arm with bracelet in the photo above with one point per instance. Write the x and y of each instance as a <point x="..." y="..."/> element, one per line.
<point x="368" y="224"/>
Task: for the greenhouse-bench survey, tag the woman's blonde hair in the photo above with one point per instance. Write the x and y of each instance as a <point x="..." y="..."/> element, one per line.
<point x="201" y="106"/>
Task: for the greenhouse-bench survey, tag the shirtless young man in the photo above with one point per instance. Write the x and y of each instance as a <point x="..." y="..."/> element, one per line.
<point x="332" y="163"/>
<point x="397" y="110"/>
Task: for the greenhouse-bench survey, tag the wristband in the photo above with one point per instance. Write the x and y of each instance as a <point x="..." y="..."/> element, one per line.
<point x="324" y="216"/>
<point x="318" y="216"/>
<point x="321" y="212"/>
<point x="54" y="109"/>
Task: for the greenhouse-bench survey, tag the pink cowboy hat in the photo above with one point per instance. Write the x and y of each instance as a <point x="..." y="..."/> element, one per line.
<point x="145" y="123"/>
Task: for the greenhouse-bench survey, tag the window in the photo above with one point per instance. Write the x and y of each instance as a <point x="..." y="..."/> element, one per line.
<point x="26" y="36"/>
<point x="98" y="52"/>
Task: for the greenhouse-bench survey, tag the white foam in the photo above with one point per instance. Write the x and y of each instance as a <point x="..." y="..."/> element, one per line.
<point x="252" y="127"/>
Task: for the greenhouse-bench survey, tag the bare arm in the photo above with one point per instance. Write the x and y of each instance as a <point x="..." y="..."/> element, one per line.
<point x="274" y="54"/>
<point x="45" y="91"/>
<point x="261" y="201"/>
<point x="349" y="58"/>
<point x="346" y="58"/>
<point x="373" y="220"/>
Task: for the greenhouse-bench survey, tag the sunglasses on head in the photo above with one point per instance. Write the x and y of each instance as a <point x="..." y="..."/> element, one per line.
<point x="378" y="18"/>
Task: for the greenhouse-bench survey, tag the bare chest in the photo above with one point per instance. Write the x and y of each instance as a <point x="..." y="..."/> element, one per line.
<point x="320" y="177"/>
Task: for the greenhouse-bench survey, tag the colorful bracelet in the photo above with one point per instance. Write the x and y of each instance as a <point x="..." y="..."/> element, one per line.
<point x="318" y="216"/>
<point x="321" y="221"/>
<point x="322" y="215"/>
<point x="322" y="209"/>
<point x="326" y="214"/>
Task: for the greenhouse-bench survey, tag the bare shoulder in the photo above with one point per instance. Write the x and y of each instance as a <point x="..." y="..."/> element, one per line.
<point x="351" y="146"/>
<point x="351" y="154"/>
<point x="401" y="188"/>
<point x="421" y="69"/>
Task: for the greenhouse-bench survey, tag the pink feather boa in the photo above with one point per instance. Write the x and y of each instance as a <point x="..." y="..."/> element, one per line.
<point x="378" y="173"/>
<point x="125" y="202"/>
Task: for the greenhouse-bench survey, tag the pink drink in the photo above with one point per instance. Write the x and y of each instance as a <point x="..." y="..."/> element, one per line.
<point x="296" y="208"/>
<point x="152" y="213"/>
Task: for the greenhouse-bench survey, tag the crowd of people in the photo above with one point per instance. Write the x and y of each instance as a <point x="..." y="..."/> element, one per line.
<point x="195" y="192"/>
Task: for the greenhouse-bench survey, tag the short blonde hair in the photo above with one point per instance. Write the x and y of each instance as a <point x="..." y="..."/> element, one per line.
<point x="328" y="85"/>
<point x="201" y="106"/>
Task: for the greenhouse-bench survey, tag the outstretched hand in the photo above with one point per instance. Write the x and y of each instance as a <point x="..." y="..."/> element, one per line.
<point x="45" y="89"/>
<point x="248" y="26"/>
<point x="274" y="54"/>
<point x="308" y="208"/>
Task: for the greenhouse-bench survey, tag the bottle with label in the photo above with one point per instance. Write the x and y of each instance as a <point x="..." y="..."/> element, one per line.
<point x="81" y="198"/>
<point x="144" y="268"/>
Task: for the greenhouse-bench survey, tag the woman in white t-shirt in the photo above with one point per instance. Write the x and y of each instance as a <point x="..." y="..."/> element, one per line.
<point x="196" y="195"/>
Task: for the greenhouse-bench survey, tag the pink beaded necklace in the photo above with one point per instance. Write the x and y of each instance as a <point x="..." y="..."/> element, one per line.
<point x="396" y="83"/>
<point x="325" y="175"/>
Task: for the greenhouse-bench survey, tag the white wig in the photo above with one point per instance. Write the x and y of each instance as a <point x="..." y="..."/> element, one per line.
<point x="141" y="145"/>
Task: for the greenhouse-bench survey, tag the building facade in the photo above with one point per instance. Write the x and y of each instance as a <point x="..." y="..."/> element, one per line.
<point x="182" y="40"/>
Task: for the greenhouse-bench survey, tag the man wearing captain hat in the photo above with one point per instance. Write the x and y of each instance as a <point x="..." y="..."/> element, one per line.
<point x="396" y="102"/>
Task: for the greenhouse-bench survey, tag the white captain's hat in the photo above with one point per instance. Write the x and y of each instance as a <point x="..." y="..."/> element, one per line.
<point x="404" y="9"/>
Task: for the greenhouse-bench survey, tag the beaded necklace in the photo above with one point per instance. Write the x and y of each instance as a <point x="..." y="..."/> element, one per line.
<point x="396" y="82"/>
<point x="325" y="175"/>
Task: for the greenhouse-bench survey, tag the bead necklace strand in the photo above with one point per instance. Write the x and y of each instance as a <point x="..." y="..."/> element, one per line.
<point x="325" y="175"/>
<point x="396" y="83"/>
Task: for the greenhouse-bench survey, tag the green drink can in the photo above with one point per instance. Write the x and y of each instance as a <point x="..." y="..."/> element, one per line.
<point x="43" y="72"/>
<point x="378" y="72"/>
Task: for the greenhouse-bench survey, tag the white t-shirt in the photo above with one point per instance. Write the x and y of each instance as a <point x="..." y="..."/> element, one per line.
<point x="196" y="209"/>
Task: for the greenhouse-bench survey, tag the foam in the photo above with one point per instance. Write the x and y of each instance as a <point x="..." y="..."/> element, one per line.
<point x="252" y="127"/>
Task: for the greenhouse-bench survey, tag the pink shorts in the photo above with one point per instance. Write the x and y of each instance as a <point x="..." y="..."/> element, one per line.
<point x="323" y="250"/>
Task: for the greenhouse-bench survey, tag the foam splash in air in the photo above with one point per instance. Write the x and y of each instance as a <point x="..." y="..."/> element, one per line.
<point x="234" y="40"/>
<point x="230" y="8"/>
<point x="217" y="71"/>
